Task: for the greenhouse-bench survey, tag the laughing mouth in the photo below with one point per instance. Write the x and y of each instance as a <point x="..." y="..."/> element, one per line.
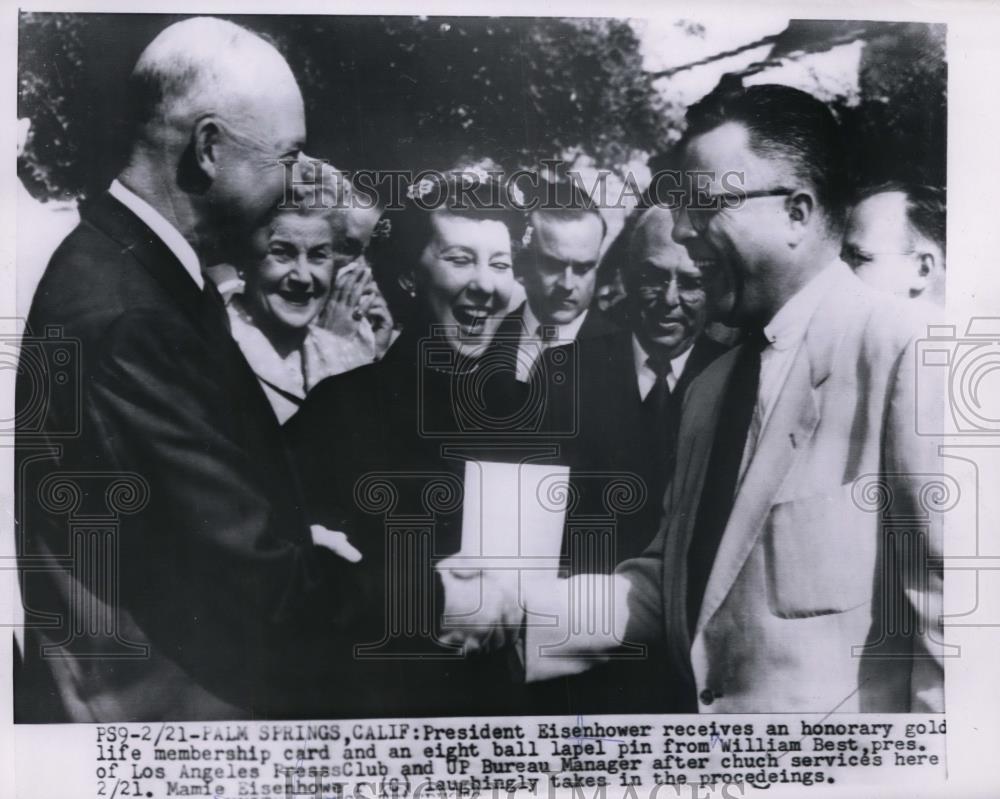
<point x="471" y="319"/>
<point x="301" y="298"/>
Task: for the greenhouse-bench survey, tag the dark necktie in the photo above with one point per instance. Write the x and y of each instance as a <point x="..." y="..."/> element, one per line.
<point x="658" y="398"/>
<point x="719" y="489"/>
<point x="659" y="426"/>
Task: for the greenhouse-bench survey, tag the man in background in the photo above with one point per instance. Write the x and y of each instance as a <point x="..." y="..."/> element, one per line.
<point x="557" y="267"/>
<point x="666" y="312"/>
<point x="895" y="240"/>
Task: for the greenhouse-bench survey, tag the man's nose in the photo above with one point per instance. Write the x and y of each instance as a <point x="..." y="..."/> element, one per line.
<point x="683" y="230"/>
<point x="566" y="277"/>
<point x="671" y="295"/>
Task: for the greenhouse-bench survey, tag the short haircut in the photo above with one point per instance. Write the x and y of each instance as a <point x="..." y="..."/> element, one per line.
<point x="926" y="207"/>
<point x="787" y="125"/>
<point x="560" y="198"/>
<point x="189" y="67"/>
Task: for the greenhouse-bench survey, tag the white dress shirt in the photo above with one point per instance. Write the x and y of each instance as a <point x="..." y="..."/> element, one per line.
<point x="531" y="343"/>
<point x="644" y="373"/>
<point x="785" y="334"/>
<point x="167" y="233"/>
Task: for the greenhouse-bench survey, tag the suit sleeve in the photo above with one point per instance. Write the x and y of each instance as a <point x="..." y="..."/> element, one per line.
<point x="913" y="461"/>
<point x="214" y="564"/>
<point x="574" y="624"/>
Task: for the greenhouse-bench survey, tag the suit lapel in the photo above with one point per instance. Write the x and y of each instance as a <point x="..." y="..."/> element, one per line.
<point x="790" y="426"/>
<point x="699" y="420"/>
<point x="595" y="325"/>
<point x="113" y="218"/>
<point x="788" y="431"/>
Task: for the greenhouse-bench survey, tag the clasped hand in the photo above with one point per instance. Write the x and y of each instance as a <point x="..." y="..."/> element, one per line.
<point x="482" y="607"/>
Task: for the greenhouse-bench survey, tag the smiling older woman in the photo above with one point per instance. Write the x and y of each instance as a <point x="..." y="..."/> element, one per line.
<point x="293" y="262"/>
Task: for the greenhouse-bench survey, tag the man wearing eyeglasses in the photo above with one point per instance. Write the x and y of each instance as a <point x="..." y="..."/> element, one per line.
<point x="781" y="579"/>
<point x="666" y="311"/>
<point x="895" y="240"/>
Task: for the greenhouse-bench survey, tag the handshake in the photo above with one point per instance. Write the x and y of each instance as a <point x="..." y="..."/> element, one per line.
<point x="483" y="610"/>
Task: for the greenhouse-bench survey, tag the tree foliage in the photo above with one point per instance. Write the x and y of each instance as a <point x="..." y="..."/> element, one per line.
<point x="381" y="92"/>
<point x="899" y="129"/>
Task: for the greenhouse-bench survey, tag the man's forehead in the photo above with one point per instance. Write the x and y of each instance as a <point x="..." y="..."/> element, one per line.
<point x="726" y="149"/>
<point x="653" y="243"/>
<point x="584" y="231"/>
<point x="882" y="214"/>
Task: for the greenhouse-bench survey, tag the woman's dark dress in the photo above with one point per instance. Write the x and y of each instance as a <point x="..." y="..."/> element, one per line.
<point x="381" y="453"/>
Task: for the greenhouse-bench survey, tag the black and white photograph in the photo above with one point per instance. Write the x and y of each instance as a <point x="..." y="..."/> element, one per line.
<point x="448" y="404"/>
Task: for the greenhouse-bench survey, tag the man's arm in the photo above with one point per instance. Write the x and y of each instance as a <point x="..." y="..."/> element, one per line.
<point x="577" y="623"/>
<point x="914" y="461"/>
<point x="219" y="569"/>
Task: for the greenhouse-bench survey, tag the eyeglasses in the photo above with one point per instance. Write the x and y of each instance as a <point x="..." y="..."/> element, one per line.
<point x="702" y="207"/>
<point x="855" y="257"/>
<point x="689" y="292"/>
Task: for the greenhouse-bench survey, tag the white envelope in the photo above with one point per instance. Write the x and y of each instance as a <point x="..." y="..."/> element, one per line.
<point x="513" y="516"/>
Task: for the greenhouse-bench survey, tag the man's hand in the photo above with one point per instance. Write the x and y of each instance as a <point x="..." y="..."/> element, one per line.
<point x="482" y="611"/>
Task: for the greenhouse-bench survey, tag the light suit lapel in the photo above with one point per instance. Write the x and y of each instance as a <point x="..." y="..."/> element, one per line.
<point x="788" y="432"/>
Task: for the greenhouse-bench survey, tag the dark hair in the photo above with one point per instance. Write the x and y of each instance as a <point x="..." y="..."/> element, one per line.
<point x="926" y="206"/>
<point x="560" y="197"/>
<point x="557" y="198"/>
<point x="784" y="124"/>
<point x="402" y="233"/>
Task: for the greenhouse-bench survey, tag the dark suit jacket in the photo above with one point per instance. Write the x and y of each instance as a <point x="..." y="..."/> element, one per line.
<point x="157" y="504"/>
<point x="381" y="452"/>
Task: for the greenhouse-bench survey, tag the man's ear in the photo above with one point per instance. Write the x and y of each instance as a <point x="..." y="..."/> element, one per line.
<point x="926" y="263"/>
<point x="205" y="141"/>
<point x="801" y="208"/>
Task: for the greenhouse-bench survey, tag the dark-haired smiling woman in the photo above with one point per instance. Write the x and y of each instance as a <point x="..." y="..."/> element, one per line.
<point x="381" y="450"/>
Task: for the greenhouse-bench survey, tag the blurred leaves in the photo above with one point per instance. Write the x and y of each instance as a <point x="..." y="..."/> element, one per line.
<point x="381" y="92"/>
<point x="899" y="129"/>
<point x="426" y="92"/>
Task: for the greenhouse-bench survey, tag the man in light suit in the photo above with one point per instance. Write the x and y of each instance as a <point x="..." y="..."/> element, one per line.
<point x="168" y="570"/>
<point x="781" y="579"/>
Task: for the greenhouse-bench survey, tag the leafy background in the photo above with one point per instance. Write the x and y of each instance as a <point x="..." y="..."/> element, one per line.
<point x="425" y="92"/>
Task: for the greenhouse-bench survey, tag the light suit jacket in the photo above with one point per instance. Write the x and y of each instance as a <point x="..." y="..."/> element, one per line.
<point x="825" y="593"/>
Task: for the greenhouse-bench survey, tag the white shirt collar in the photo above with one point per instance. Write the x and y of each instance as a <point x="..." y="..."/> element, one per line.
<point x="646" y="377"/>
<point x="167" y="233"/>
<point x="564" y="333"/>
<point x="788" y="327"/>
<point x="531" y="344"/>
